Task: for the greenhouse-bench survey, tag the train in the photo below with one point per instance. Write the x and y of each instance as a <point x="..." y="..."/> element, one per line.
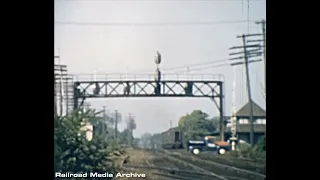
<point x="172" y="138"/>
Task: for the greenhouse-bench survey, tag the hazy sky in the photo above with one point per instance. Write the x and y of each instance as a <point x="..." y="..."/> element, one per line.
<point x="110" y="48"/>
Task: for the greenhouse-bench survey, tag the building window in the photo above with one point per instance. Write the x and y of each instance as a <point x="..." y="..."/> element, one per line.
<point x="260" y="121"/>
<point x="243" y="121"/>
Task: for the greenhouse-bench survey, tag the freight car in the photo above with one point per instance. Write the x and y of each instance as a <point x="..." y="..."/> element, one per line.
<point x="172" y="138"/>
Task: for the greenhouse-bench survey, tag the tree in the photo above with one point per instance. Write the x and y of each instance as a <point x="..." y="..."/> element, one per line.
<point x="131" y="125"/>
<point x="156" y="140"/>
<point x="124" y="136"/>
<point x="136" y="142"/>
<point x="216" y="122"/>
<point x="146" y="140"/>
<point x="73" y="152"/>
<point x="196" y="125"/>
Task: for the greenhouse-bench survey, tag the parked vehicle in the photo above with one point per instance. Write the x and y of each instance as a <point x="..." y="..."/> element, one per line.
<point x="209" y="143"/>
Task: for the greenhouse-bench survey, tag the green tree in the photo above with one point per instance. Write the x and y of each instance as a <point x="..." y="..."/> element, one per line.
<point x="216" y="122"/>
<point x="124" y="136"/>
<point x="136" y="142"/>
<point x="146" y="140"/>
<point x="156" y="140"/>
<point x="196" y="125"/>
<point x="73" y="151"/>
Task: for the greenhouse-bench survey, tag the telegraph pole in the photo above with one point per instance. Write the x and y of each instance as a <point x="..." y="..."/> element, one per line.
<point x="248" y="87"/>
<point x="60" y="77"/>
<point x="263" y="24"/>
<point x="55" y="98"/>
<point x="248" y="54"/>
<point x="104" y="120"/>
<point x="131" y="126"/>
<point x="61" y="86"/>
<point x="130" y="130"/>
<point x="116" y="124"/>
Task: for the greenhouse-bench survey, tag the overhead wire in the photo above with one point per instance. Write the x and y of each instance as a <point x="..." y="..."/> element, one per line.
<point x="198" y="64"/>
<point x="150" y="24"/>
<point x="188" y="66"/>
<point x="159" y="0"/>
<point x="248" y="16"/>
<point x="209" y="67"/>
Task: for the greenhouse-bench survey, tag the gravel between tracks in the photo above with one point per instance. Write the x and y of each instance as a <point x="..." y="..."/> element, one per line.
<point x="258" y="166"/>
<point x="218" y="168"/>
<point x="160" y="167"/>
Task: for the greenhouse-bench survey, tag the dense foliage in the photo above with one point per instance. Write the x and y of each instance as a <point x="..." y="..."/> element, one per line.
<point x="196" y="125"/>
<point x="262" y="145"/>
<point x="74" y="153"/>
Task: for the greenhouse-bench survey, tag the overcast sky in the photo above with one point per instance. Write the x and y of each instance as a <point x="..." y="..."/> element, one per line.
<point x="122" y="40"/>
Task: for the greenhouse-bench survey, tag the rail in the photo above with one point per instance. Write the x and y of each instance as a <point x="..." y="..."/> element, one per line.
<point x="227" y="167"/>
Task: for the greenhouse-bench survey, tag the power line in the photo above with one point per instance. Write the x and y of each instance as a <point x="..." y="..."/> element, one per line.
<point x="248" y="53"/>
<point x="193" y="65"/>
<point x="198" y="69"/>
<point x="161" y="0"/>
<point x="151" y="24"/>
<point x="190" y="65"/>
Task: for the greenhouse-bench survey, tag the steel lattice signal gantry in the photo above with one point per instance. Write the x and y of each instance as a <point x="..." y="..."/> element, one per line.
<point x="109" y="89"/>
<point x="151" y="88"/>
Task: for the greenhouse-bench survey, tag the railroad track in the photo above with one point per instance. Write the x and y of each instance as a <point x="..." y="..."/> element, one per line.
<point x="227" y="171"/>
<point x="257" y="166"/>
<point x="176" y="165"/>
<point x="160" y="167"/>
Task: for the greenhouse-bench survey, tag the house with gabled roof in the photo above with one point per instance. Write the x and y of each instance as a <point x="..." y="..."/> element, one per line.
<point x="244" y="125"/>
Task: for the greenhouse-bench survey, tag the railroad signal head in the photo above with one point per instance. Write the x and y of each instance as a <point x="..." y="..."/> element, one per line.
<point x="157" y="58"/>
<point x="96" y="90"/>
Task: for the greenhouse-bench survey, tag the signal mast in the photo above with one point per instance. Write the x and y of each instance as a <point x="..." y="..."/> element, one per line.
<point x="234" y="137"/>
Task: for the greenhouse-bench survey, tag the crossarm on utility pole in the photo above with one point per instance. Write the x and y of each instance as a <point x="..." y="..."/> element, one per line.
<point x="263" y="24"/>
<point x="248" y="89"/>
<point x="248" y="54"/>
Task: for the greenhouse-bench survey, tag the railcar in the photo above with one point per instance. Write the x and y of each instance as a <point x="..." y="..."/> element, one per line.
<point x="172" y="138"/>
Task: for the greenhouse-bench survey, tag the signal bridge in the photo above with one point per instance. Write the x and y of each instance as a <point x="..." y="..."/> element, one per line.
<point x="148" y="85"/>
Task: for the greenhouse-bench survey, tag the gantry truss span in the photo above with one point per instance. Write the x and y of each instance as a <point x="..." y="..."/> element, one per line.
<point x="131" y="87"/>
<point x="100" y="89"/>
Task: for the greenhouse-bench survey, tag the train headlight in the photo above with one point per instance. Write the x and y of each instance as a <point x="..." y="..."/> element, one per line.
<point x="190" y="147"/>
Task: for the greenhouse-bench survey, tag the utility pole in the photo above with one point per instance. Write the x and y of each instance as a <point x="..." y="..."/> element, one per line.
<point x="263" y="24"/>
<point x="60" y="77"/>
<point x="104" y="121"/>
<point x="131" y="126"/>
<point x="248" y="87"/>
<point x="55" y="98"/>
<point x="248" y="54"/>
<point x="130" y="130"/>
<point x="170" y="124"/>
<point x="61" y="86"/>
<point x="116" y="124"/>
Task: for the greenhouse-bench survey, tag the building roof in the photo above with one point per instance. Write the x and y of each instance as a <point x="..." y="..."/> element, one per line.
<point x="257" y="110"/>
<point x="172" y="129"/>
